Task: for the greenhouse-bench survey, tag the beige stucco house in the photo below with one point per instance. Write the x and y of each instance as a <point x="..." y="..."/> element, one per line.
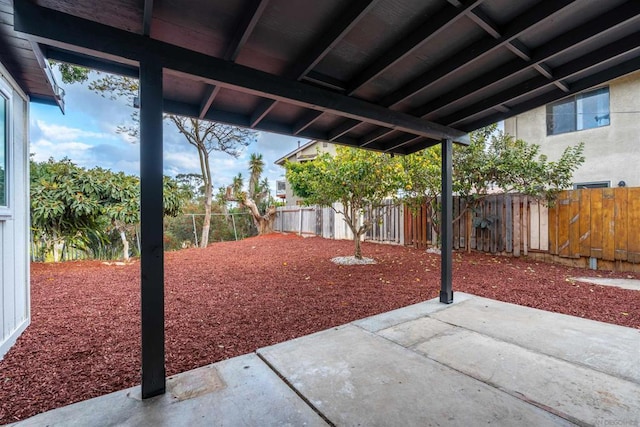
<point x="303" y="153"/>
<point x="606" y="118"/>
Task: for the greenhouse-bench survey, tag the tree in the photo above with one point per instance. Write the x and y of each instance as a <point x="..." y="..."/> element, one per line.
<point x="262" y="209"/>
<point x="73" y="206"/>
<point x="207" y="137"/>
<point x="357" y="179"/>
<point x="494" y="162"/>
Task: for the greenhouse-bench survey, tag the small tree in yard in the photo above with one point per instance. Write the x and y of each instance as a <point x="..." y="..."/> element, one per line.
<point x="357" y="179"/>
<point x="207" y="137"/>
<point x="255" y="200"/>
<point x="494" y="162"/>
<point x="75" y="206"/>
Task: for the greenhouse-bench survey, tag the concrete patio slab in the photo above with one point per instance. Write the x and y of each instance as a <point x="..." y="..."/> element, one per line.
<point x="571" y="391"/>
<point x="355" y="377"/>
<point x="633" y="284"/>
<point x="604" y="347"/>
<point x="242" y="391"/>
<point x="477" y="361"/>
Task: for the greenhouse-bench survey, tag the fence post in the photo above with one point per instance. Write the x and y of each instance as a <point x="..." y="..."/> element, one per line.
<point x="233" y="221"/>
<point x="195" y="232"/>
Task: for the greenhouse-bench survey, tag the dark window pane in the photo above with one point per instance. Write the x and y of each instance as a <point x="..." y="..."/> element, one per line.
<point x="561" y="117"/>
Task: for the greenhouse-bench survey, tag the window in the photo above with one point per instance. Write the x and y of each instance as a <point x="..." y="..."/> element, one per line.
<point x="587" y="110"/>
<point x="595" y="184"/>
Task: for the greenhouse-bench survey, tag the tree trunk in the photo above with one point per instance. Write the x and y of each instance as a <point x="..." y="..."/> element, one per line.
<point x="206" y="223"/>
<point x="358" y="250"/>
<point x="264" y="223"/>
<point x="125" y="245"/>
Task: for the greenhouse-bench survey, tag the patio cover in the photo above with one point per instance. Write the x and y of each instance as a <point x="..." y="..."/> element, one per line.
<point x="389" y="75"/>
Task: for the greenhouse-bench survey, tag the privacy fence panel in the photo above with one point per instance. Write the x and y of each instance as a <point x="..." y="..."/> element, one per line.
<point x="598" y="223"/>
<point x="501" y="223"/>
<point x="326" y="222"/>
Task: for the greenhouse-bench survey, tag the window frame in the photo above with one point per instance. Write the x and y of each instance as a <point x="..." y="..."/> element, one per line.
<point x="573" y="100"/>
<point x="6" y="209"/>
<point x="591" y="184"/>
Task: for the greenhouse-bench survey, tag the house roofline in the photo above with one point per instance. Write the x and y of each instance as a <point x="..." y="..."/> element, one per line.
<point x="282" y="159"/>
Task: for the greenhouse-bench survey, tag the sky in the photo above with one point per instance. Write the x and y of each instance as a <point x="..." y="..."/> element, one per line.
<point x="87" y="135"/>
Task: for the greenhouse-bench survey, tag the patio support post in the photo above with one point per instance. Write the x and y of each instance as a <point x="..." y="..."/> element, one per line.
<point x="446" y="224"/>
<point x="151" y="216"/>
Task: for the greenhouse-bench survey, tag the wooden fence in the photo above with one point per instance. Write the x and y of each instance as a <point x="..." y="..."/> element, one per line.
<point x="325" y="222"/>
<point x="501" y="223"/>
<point x="583" y="225"/>
<point x="599" y="223"/>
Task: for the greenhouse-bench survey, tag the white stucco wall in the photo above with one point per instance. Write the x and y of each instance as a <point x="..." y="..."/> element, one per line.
<point x="612" y="152"/>
<point x="14" y="223"/>
<point x="305" y="154"/>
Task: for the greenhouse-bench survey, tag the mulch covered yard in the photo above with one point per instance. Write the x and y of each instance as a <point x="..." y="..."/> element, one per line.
<point x="232" y="298"/>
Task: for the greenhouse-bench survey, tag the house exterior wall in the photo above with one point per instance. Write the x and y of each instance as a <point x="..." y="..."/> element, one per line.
<point x="14" y="220"/>
<point x="307" y="153"/>
<point x="612" y="153"/>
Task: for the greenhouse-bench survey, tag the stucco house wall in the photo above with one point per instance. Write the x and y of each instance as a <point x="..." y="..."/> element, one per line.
<point x="612" y="152"/>
<point x="304" y="153"/>
<point x="14" y="214"/>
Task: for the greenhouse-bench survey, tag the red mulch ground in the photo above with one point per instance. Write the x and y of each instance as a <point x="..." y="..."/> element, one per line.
<point x="235" y="297"/>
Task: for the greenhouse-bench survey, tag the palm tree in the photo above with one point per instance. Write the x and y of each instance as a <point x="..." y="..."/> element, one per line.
<point x="256" y="167"/>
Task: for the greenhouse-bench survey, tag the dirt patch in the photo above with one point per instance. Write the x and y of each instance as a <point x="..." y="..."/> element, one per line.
<point x="232" y="298"/>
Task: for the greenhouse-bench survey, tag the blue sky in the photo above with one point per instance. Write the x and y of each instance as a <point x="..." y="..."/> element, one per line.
<point x="86" y="134"/>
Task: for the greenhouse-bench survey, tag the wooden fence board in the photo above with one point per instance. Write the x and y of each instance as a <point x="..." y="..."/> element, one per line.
<point x="633" y="224"/>
<point x="534" y="220"/>
<point x="516" y="226"/>
<point x="608" y="224"/>
<point x="621" y="218"/>
<point x="500" y="225"/>
<point x="574" y="224"/>
<point x="553" y="228"/>
<point x="525" y="225"/>
<point x="544" y="226"/>
<point x="585" y="222"/>
<point x="563" y="224"/>
<point x="456" y="223"/>
<point x="508" y="217"/>
<point x="493" y="230"/>
<point x="596" y="223"/>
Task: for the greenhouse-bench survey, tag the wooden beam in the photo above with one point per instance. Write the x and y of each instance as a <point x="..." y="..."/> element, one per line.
<point x="147" y="17"/>
<point x="477" y="50"/>
<point x="339" y="27"/>
<point x="446" y="226"/>
<point x="151" y="230"/>
<point x="253" y="12"/>
<point x="66" y="31"/>
<point x="585" y="83"/>
<point x="342" y="23"/>
<point x="590" y="60"/>
<point x="627" y="12"/>
<point x="430" y="28"/>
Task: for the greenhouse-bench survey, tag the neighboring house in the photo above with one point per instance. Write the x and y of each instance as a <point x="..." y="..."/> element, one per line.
<point x="24" y="76"/>
<point x="303" y="153"/>
<point x="606" y="118"/>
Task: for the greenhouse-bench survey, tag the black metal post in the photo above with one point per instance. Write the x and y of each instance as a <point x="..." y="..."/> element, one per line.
<point x="151" y="216"/>
<point x="446" y="224"/>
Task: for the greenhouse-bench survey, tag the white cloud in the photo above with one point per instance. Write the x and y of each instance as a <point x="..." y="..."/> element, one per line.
<point x="88" y="135"/>
<point x="58" y="132"/>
